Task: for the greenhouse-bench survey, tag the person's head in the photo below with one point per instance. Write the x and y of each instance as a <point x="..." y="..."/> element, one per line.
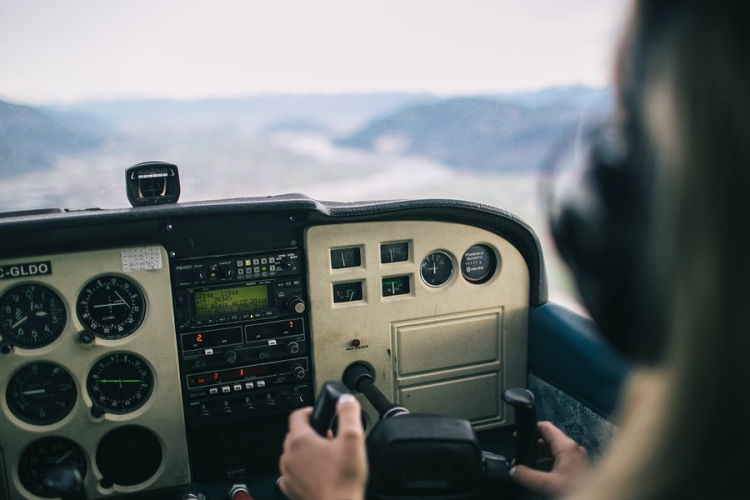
<point x="683" y="80"/>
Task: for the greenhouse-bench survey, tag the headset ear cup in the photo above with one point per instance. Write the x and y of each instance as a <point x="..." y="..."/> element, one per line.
<point x="594" y="227"/>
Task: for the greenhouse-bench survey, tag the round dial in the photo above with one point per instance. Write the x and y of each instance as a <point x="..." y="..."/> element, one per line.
<point x="120" y="383"/>
<point x="437" y="269"/>
<point x="41" y="393"/>
<point x="45" y="454"/>
<point x="31" y="316"/>
<point x="112" y="307"/>
<point x="478" y="264"/>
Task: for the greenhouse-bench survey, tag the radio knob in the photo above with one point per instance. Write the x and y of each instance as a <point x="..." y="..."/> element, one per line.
<point x="230" y="356"/>
<point x="271" y="403"/>
<point x="205" y="414"/>
<point x="249" y="408"/>
<point x="296" y="304"/>
<point x="227" y="410"/>
<point x="293" y="347"/>
<point x="298" y="401"/>
<point x="298" y="371"/>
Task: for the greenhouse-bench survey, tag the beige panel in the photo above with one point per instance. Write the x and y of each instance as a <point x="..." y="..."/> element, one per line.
<point x="154" y="341"/>
<point x="476" y="399"/>
<point x="447" y="343"/>
<point x="334" y="326"/>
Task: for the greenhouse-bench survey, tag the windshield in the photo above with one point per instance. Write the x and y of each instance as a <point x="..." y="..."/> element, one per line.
<point x="338" y="100"/>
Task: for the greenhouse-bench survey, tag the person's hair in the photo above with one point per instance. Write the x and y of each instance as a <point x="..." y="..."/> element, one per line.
<point x="683" y="79"/>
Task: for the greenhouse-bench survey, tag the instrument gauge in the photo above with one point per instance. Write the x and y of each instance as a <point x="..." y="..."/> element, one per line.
<point x="31" y="316"/>
<point x="395" y="285"/>
<point x="478" y="264"/>
<point x="120" y="383"/>
<point x="346" y="257"/>
<point x="394" y="252"/>
<point x="45" y="454"/>
<point x="111" y="307"/>
<point x="436" y="269"/>
<point x="41" y="393"/>
<point x="347" y="292"/>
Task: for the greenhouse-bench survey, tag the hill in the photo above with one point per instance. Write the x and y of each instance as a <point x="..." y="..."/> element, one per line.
<point x="473" y="133"/>
<point x="31" y="140"/>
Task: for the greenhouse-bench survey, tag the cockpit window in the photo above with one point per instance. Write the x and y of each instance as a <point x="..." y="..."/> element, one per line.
<point x="335" y="99"/>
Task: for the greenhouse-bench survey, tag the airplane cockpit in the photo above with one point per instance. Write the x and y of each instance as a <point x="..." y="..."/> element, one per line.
<point x="159" y="350"/>
<point x="157" y="333"/>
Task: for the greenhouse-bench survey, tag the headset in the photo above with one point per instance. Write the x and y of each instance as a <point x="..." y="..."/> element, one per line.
<point x="602" y="222"/>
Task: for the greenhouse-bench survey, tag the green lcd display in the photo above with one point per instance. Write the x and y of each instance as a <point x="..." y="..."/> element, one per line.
<point x="230" y="300"/>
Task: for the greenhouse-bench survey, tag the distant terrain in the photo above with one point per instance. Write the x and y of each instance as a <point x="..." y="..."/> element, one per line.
<point x="501" y="133"/>
<point x="470" y="133"/>
<point x="31" y="140"/>
<point x="486" y="149"/>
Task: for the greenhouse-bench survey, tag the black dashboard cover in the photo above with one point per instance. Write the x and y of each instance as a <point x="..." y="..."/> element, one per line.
<point x="182" y="227"/>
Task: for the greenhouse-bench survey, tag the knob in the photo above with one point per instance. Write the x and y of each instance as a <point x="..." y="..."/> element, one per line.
<point x="270" y="403"/>
<point x="293" y="347"/>
<point x="239" y="492"/>
<point x="205" y="414"/>
<point x="227" y="410"/>
<point x="522" y="401"/>
<point x="298" y="401"/>
<point x="66" y="480"/>
<point x="230" y="356"/>
<point x="249" y="408"/>
<point x="298" y="371"/>
<point x="296" y="304"/>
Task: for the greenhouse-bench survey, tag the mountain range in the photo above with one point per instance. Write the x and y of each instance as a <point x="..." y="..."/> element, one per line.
<point x="507" y="132"/>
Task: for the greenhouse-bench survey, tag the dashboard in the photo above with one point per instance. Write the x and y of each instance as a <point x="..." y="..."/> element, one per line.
<point x="159" y="350"/>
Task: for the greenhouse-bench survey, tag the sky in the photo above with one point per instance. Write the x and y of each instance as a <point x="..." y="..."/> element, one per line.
<point x="54" y="51"/>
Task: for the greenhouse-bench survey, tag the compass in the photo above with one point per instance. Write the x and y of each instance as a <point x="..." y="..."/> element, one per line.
<point x="111" y="307"/>
<point x="120" y="383"/>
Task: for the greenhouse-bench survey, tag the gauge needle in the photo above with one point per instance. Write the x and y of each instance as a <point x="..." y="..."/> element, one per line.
<point x="119" y="381"/>
<point x="41" y="313"/>
<point x="123" y="300"/>
<point x="33" y="392"/>
<point x="19" y="322"/>
<point x="60" y="460"/>
<point x="343" y="261"/>
<point x="111" y="304"/>
<point x="434" y="268"/>
<point x="390" y="252"/>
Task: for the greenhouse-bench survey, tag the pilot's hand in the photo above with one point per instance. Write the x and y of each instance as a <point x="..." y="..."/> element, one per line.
<point x="315" y="468"/>
<point x="569" y="471"/>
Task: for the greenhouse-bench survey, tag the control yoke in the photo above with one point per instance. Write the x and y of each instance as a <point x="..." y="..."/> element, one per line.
<point x="427" y="456"/>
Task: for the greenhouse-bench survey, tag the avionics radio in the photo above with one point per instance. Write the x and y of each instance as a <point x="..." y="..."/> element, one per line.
<point x="234" y="289"/>
<point x="242" y="336"/>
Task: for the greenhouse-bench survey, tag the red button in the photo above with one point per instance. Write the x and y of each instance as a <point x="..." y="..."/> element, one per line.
<point x="356" y="342"/>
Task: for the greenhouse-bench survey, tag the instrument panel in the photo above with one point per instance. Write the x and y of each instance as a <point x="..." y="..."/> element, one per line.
<point x="159" y="366"/>
<point x="91" y="366"/>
